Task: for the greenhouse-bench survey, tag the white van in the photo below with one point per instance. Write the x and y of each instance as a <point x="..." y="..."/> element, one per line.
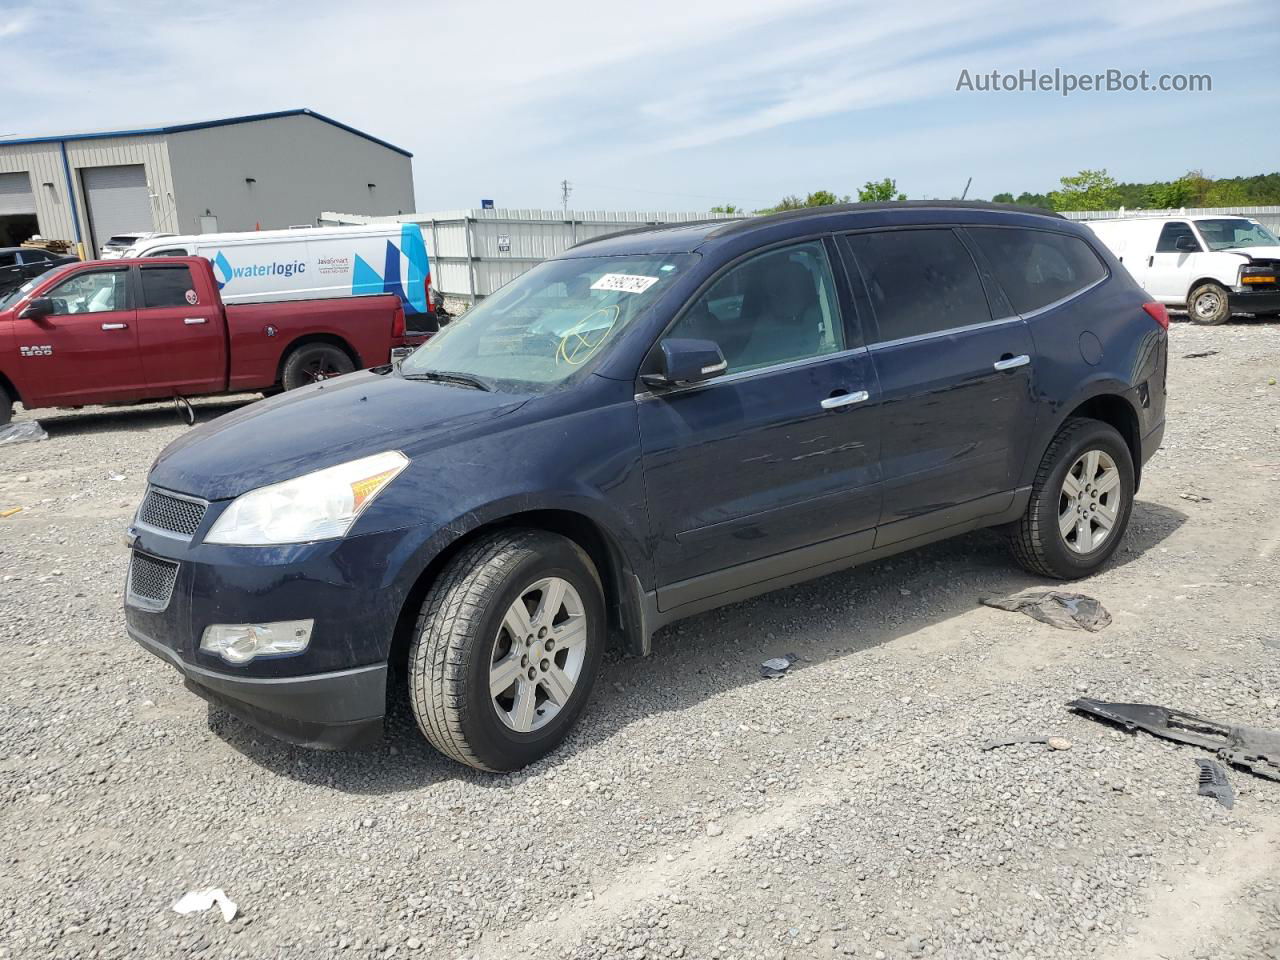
<point x="305" y="263"/>
<point x="1213" y="266"/>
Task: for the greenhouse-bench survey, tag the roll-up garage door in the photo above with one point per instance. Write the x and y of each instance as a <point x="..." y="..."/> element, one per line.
<point x="15" y="194"/>
<point x="118" y="201"/>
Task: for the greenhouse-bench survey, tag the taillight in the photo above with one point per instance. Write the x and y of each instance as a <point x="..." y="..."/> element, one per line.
<point x="426" y="289"/>
<point x="397" y="322"/>
<point x="1159" y="313"/>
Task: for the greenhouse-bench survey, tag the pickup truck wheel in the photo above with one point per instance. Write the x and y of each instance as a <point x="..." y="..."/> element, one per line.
<point x="1208" y="304"/>
<point x="506" y="649"/>
<point x="1080" y="502"/>
<point x="313" y="362"/>
<point x="6" y="407"/>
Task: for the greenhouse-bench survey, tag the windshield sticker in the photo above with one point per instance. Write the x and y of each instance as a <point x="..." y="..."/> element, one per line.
<point x="624" y="283"/>
<point x="584" y="338"/>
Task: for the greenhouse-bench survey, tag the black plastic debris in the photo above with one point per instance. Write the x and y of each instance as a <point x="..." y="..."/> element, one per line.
<point x="1067" y="611"/>
<point x="1213" y="783"/>
<point x="1198" y="356"/>
<point x="1248" y="748"/>
<point x="776" y="667"/>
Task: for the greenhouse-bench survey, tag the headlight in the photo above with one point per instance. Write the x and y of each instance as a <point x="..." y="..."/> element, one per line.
<point x="317" y="506"/>
<point x="241" y="642"/>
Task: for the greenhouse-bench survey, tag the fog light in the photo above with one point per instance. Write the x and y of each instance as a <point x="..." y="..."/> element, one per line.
<point x="242" y="642"/>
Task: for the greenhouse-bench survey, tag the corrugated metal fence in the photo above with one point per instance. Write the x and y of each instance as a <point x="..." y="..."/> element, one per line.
<point x="474" y="252"/>
<point x="1269" y="217"/>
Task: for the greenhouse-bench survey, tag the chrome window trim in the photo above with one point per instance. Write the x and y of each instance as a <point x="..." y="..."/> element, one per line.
<point x="919" y="337"/>
<point x="756" y="372"/>
<point x="1071" y="296"/>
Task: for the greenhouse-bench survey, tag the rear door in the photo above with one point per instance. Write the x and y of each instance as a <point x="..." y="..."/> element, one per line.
<point x="34" y="262"/>
<point x="180" y="336"/>
<point x="957" y="410"/>
<point x="87" y="350"/>
<point x="777" y="454"/>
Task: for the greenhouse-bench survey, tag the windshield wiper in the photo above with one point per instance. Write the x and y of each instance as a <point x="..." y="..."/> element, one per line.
<point x="445" y="376"/>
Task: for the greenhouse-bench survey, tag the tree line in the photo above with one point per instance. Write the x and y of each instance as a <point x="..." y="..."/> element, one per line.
<point x="1086" y="190"/>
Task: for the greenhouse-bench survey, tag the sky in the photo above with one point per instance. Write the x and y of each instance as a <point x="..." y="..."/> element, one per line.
<point x="671" y="104"/>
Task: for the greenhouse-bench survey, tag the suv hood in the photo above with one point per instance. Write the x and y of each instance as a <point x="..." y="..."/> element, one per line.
<point x="321" y="425"/>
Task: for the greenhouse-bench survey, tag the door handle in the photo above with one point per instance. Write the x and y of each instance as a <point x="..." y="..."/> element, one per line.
<point x="1010" y="363"/>
<point x="1151" y="260"/>
<point x="192" y="321"/>
<point x="844" y="400"/>
<point x="114" y="326"/>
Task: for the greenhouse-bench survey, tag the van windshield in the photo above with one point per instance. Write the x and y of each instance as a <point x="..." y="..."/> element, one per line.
<point x="1233" y="232"/>
<point x="557" y="320"/>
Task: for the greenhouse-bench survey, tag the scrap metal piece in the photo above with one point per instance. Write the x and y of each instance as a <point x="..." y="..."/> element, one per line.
<point x="1014" y="741"/>
<point x="1213" y="783"/>
<point x="1249" y="748"/>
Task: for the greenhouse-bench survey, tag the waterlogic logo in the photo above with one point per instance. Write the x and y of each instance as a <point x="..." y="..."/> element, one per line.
<point x="224" y="272"/>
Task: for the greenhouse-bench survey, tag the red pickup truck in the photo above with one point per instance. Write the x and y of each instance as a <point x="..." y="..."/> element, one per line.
<point x="120" y="331"/>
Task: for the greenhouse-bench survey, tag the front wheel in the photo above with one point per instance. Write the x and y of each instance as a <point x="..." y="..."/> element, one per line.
<point x="506" y="649"/>
<point x="1208" y="305"/>
<point x="1080" y="502"/>
<point x="313" y="362"/>
<point x="6" y="407"/>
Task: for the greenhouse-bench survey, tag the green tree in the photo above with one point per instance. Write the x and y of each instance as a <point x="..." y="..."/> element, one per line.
<point x="727" y="208"/>
<point x="819" y="198"/>
<point x="1226" y="193"/>
<point x="1170" y="196"/>
<point x="1034" y="200"/>
<point x="1087" y="190"/>
<point x="879" y="191"/>
<point x="1002" y="198"/>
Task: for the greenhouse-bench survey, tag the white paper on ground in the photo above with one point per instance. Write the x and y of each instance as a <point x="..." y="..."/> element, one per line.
<point x="198" y="901"/>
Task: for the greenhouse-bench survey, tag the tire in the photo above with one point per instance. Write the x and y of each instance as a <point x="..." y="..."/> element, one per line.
<point x="1038" y="541"/>
<point x="6" y="407"/>
<point x="313" y="362"/>
<point x="1208" y="305"/>
<point x="464" y="636"/>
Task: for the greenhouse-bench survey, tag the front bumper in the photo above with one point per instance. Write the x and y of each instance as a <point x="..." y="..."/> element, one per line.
<point x="1254" y="301"/>
<point x="326" y="711"/>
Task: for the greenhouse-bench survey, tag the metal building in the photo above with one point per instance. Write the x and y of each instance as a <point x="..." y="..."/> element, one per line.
<point x="474" y="252"/>
<point x="263" y="171"/>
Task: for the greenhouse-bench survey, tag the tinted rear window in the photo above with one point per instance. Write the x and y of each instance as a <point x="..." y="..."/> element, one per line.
<point x="919" y="281"/>
<point x="1037" y="268"/>
<point x="165" y="286"/>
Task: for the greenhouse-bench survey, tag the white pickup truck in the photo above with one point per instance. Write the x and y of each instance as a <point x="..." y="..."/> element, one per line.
<point x="1212" y="266"/>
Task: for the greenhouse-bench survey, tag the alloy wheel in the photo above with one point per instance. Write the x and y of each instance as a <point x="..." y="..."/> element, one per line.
<point x="538" y="654"/>
<point x="1089" y="505"/>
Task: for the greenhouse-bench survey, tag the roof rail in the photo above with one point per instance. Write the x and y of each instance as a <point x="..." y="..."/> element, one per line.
<point x="647" y="228"/>
<point x="736" y="226"/>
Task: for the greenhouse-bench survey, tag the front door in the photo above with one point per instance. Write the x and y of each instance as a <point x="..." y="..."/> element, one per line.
<point x="180" y="336"/>
<point x="1171" y="268"/>
<point x="86" y="351"/>
<point x="777" y="454"/>
<point x="957" y="408"/>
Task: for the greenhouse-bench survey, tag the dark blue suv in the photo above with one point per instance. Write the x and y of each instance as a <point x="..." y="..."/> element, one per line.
<point x="650" y="425"/>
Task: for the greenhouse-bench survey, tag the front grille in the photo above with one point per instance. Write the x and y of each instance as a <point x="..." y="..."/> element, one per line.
<point x="175" y="514"/>
<point x="151" y="581"/>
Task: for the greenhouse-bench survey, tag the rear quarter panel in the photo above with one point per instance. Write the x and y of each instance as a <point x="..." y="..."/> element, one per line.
<point x="362" y="324"/>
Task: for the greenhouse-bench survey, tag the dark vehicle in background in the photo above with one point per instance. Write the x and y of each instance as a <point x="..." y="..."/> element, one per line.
<point x="20" y="264"/>
<point x="651" y="425"/>
<point x="126" y="331"/>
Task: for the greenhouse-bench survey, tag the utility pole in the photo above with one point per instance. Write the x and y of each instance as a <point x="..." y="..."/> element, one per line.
<point x="968" y="183"/>
<point x="566" y="188"/>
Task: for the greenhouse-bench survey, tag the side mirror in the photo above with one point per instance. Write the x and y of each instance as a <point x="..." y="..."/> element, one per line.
<point x="1187" y="243"/>
<point x="37" y="309"/>
<point x="687" y="361"/>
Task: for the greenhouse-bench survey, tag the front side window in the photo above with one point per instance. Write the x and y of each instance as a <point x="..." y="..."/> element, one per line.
<point x="1172" y="233"/>
<point x="1230" y="233"/>
<point x="774" y="308"/>
<point x="8" y="259"/>
<point x="550" y="324"/>
<point x="99" y="292"/>
<point x="36" y="256"/>
<point x="1035" y="267"/>
<point x="166" y="286"/>
<point x="920" y="282"/>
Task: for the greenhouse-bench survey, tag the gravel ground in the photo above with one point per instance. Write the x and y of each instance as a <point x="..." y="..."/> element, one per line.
<point x="844" y="810"/>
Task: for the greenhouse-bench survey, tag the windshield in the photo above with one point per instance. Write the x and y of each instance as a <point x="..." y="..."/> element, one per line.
<point x="13" y="296"/>
<point x="1227" y="234"/>
<point x="547" y="325"/>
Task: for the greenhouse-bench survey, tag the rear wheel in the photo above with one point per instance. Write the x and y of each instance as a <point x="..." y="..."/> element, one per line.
<point x="1208" y="304"/>
<point x="313" y="362"/>
<point x="506" y="649"/>
<point x="1080" y="502"/>
<point x="6" y="407"/>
